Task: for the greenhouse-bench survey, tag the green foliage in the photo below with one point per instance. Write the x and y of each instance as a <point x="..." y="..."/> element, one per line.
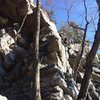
<point x="71" y="33"/>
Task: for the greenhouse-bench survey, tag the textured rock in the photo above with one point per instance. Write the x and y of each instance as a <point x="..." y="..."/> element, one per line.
<point x="96" y="70"/>
<point x="72" y="53"/>
<point x="57" y="82"/>
<point x="48" y="28"/>
<point x="96" y="77"/>
<point x="76" y="49"/>
<point x="7" y="53"/>
<point x="68" y="97"/>
<point x="72" y="89"/>
<point x="56" y="50"/>
<point x="94" y="95"/>
<point x="52" y="84"/>
<point x="52" y="93"/>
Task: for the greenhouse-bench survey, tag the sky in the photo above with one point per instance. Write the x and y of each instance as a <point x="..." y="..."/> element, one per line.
<point x="76" y="13"/>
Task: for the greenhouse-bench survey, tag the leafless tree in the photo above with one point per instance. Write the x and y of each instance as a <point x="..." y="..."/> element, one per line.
<point x="78" y="58"/>
<point x="88" y="67"/>
<point x="84" y="29"/>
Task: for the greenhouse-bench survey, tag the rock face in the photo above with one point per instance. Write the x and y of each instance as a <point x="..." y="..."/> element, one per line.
<point x="49" y="32"/>
<point x="56" y="61"/>
<point x="53" y="84"/>
<point x="15" y="55"/>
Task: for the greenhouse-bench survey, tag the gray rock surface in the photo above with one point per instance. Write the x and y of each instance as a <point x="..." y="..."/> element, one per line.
<point x="56" y="61"/>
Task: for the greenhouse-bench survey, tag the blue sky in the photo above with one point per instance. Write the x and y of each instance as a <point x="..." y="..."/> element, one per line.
<point x="76" y="14"/>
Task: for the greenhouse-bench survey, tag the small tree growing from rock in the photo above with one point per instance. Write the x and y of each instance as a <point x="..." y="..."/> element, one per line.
<point x="36" y="69"/>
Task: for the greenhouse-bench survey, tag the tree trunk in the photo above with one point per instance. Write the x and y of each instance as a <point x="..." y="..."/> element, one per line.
<point x="88" y="67"/>
<point x="36" y="70"/>
<point x="78" y="58"/>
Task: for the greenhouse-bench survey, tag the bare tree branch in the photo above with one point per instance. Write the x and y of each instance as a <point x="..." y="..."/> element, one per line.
<point x="85" y="7"/>
<point x="78" y="58"/>
<point x="88" y="67"/>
